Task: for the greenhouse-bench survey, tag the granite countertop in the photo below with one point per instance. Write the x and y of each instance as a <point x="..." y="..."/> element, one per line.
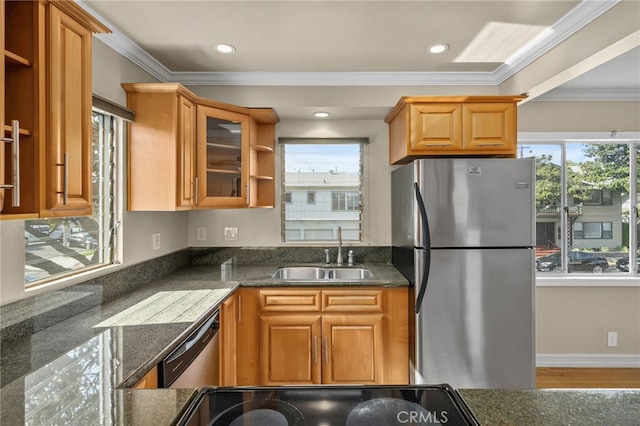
<point x="550" y="407"/>
<point x="80" y="369"/>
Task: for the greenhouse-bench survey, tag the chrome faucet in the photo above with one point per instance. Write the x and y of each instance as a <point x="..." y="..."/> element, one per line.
<point x="339" y="260"/>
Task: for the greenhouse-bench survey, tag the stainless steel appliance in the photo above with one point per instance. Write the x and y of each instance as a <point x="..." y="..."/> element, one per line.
<point x="463" y="235"/>
<point x="194" y="363"/>
<point x="329" y="406"/>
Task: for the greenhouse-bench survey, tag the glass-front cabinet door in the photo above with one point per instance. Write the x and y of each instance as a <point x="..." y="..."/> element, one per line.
<point x="222" y="156"/>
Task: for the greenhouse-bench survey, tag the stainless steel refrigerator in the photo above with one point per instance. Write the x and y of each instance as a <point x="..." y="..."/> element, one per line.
<point x="463" y="234"/>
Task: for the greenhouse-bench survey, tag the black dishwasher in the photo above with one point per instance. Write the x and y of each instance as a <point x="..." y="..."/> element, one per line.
<point x="193" y="363"/>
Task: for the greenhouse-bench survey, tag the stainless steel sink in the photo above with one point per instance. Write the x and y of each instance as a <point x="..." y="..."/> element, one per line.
<point x="316" y="273"/>
<point x="299" y="273"/>
<point x="349" y="274"/>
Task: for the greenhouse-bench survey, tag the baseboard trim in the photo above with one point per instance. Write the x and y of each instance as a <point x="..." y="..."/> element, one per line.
<point x="588" y="360"/>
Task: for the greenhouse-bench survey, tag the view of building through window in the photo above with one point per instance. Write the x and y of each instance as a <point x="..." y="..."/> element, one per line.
<point x="60" y="246"/>
<point x="322" y="190"/>
<point x="584" y="195"/>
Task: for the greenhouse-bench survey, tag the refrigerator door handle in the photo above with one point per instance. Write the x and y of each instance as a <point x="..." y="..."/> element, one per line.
<point x="426" y="239"/>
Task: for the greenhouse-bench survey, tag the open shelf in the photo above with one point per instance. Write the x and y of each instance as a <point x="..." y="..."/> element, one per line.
<point x="13" y="59"/>
<point x="262" y="148"/>
<point x="224" y="171"/>
<point x="223" y="146"/>
<point x="23" y="132"/>
<point x="262" y="177"/>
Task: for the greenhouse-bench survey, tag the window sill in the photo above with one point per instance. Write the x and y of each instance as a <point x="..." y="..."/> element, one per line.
<point x="602" y="280"/>
<point x="69" y="280"/>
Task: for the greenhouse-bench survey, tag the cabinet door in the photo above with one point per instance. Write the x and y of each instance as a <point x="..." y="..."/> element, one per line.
<point x="228" y="345"/>
<point x="352" y="349"/>
<point x="436" y="127"/>
<point x="247" y="337"/>
<point x="222" y="156"/>
<point x="186" y="151"/>
<point x="290" y="349"/>
<point x="69" y="187"/>
<point x="489" y="127"/>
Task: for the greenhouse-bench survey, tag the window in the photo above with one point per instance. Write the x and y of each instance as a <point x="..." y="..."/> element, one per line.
<point x="322" y="189"/>
<point x="345" y="200"/>
<point x="586" y="230"/>
<point x="311" y="197"/>
<point x="58" y="247"/>
<point x="586" y="199"/>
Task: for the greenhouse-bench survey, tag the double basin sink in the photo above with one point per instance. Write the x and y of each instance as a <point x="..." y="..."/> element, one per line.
<point x="314" y="273"/>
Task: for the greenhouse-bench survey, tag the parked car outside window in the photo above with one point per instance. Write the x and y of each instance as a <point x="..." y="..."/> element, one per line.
<point x="623" y="264"/>
<point x="579" y="261"/>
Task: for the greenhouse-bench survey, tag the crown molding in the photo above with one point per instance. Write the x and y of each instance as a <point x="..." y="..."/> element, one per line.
<point x="333" y="78"/>
<point x="127" y="48"/>
<point x="578" y="17"/>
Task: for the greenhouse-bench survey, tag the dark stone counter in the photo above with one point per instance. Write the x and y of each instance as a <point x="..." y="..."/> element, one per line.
<point x="551" y="407"/>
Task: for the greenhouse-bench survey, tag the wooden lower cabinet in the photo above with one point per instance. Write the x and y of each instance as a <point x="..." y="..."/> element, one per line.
<point x="352" y="349"/>
<point x="356" y="335"/>
<point x="289" y="349"/>
<point x="228" y="342"/>
<point x="149" y="381"/>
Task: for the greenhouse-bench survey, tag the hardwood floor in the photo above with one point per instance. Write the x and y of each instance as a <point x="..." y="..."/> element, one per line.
<point x="587" y="377"/>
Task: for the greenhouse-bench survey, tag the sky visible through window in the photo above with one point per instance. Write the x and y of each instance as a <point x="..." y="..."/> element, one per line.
<point x="316" y="158"/>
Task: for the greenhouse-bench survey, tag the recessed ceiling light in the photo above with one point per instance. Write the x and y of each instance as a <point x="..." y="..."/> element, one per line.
<point x="321" y="114"/>
<point x="225" y="48"/>
<point x="438" y="48"/>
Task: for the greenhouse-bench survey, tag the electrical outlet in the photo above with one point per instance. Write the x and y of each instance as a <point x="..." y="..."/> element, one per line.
<point x="230" y="233"/>
<point x="201" y="232"/>
<point x="612" y="338"/>
<point x="156" y="241"/>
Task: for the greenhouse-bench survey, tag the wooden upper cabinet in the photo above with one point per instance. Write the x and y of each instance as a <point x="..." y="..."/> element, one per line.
<point x="187" y="152"/>
<point x="161" y="148"/>
<point x="69" y="154"/>
<point x="262" y="136"/>
<point x="452" y="126"/>
<point x="435" y="127"/>
<point x="223" y="158"/>
<point x="47" y="81"/>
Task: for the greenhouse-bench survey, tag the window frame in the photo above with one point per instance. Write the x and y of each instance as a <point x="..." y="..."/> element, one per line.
<point x="363" y="142"/>
<point x="525" y="139"/>
<point x="121" y="118"/>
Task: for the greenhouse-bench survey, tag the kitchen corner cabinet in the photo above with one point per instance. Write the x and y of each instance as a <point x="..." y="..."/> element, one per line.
<point x="323" y="336"/>
<point x="452" y="126"/>
<point x="45" y="109"/>
<point x="187" y="152"/>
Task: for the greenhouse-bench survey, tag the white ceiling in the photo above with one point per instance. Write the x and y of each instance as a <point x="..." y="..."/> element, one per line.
<point x="358" y="43"/>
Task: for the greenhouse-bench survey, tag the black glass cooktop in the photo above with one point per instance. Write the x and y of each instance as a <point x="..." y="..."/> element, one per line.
<point x="329" y="406"/>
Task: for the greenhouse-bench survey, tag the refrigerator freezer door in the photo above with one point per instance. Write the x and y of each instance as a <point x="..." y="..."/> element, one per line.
<point x="484" y="202"/>
<point x="476" y="325"/>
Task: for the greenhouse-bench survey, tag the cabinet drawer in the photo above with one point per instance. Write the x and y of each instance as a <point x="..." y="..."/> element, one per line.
<point x="290" y="300"/>
<point x="352" y="300"/>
